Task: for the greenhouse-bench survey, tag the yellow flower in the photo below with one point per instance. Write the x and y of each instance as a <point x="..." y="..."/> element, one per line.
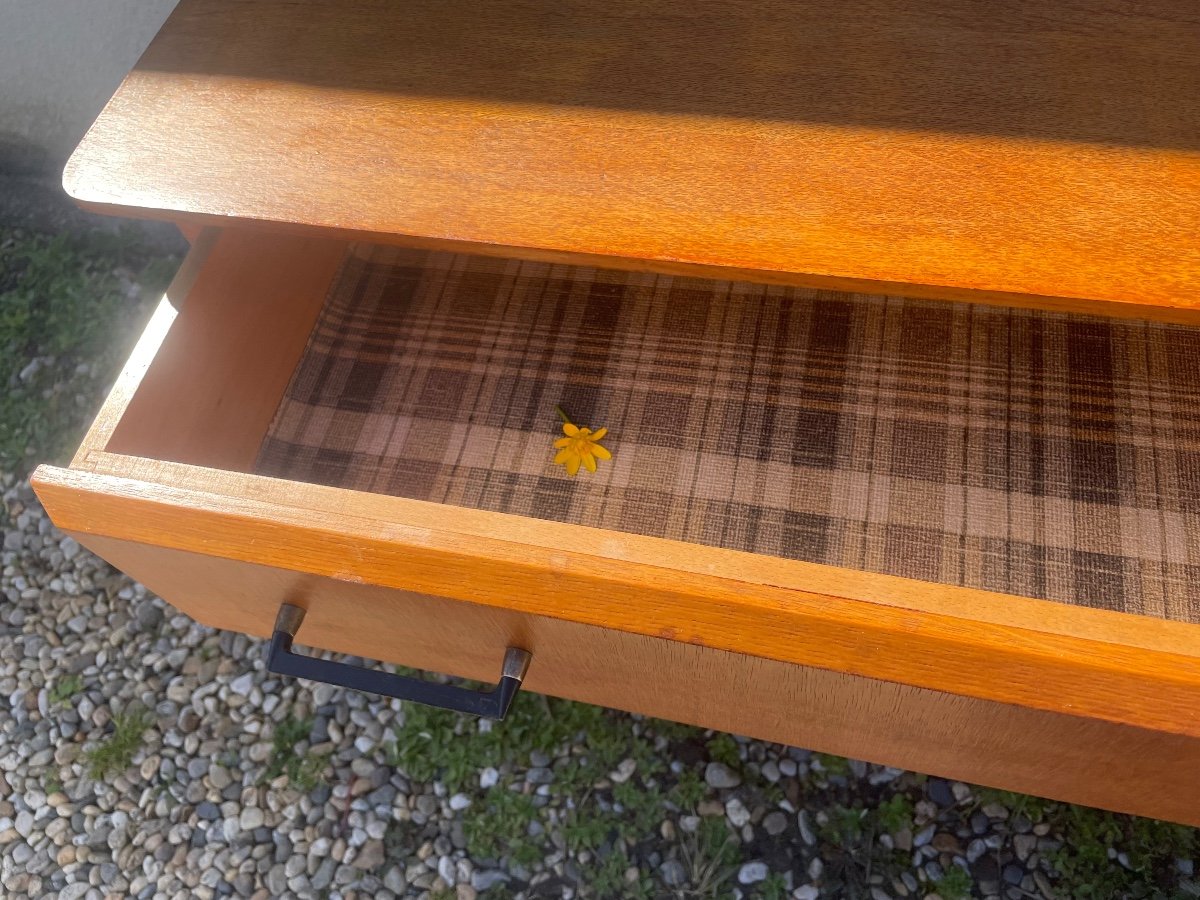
<point x="580" y="447"/>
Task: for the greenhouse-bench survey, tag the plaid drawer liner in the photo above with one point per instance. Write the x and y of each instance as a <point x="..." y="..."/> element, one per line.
<point x="1025" y="452"/>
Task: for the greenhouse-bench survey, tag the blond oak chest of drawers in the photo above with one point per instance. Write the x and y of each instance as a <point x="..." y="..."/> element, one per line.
<point x="841" y="512"/>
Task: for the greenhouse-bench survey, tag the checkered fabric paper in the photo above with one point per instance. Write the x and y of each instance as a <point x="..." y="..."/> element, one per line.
<point x="1025" y="452"/>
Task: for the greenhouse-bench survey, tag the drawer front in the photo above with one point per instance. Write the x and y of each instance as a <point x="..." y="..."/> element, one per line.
<point x="1090" y="663"/>
<point x="999" y="745"/>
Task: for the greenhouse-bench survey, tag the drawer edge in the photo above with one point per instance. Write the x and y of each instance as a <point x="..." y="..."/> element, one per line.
<point x="1138" y="686"/>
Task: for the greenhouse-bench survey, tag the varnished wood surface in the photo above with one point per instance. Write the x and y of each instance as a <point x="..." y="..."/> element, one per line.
<point x="1058" y="756"/>
<point x="134" y="372"/>
<point x="646" y="586"/>
<point x="1043" y="153"/>
<point x="1058" y="657"/>
<point x="224" y="363"/>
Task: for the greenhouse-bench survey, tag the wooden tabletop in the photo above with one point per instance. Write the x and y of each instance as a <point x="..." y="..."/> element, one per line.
<point x="1032" y="153"/>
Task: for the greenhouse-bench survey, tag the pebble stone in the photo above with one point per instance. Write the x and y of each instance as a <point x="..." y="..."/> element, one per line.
<point x="737" y="812"/>
<point x="673" y="872"/>
<point x="753" y="872"/>
<point x="720" y="776"/>
<point x="775" y="823"/>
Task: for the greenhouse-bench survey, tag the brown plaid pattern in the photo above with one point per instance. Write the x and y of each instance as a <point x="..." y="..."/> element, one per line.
<point x="1030" y="453"/>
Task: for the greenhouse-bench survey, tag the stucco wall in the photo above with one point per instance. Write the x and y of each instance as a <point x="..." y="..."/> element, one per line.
<point x="60" y="60"/>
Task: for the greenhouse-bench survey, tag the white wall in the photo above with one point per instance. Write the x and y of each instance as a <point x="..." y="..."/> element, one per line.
<point x="60" y="61"/>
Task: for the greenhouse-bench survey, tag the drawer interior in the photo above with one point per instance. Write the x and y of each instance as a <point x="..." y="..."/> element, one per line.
<point x="919" y="493"/>
<point x="1023" y="452"/>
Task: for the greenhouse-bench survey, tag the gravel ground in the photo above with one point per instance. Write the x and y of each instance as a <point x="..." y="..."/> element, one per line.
<point x="144" y="755"/>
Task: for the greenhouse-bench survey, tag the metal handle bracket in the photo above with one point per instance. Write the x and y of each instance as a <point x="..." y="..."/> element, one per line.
<point x="490" y="703"/>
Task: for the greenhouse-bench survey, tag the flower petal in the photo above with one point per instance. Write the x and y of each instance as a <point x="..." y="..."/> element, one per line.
<point x="563" y="442"/>
<point x="589" y="462"/>
<point x="601" y="452"/>
<point x="599" y="433"/>
<point x="572" y="465"/>
<point x="570" y="430"/>
<point x="561" y="457"/>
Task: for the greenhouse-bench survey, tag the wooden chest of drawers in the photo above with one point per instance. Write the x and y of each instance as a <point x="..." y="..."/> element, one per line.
<point x="876" y="524"/>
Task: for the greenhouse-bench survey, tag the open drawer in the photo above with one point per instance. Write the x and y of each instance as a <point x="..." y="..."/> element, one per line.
<point x="366" y="433"/>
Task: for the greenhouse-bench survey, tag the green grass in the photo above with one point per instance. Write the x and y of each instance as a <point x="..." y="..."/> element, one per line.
<point x="65" y="688"/>
<point x="688" y="791"/>
<point x="605" y="818"/>
<point x="773" y="888"/>
<point x="435" y="744"/>
<point x="955" y="885"/>
<point x="833" y="766"/>
<point x="499" y="827"/>
<point x="66" y="301"/>
<point x="710" y="857"/>
<point x="723" y="749"/>
<point x="1149" y="846"/>
<point x="304" y="769"/>
<point x="895" y="814"/>
<point x="115" y="754"/>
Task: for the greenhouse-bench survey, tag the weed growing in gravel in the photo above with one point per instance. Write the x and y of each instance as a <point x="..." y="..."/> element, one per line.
<point x="500" y="827"/>
<point x="435" y="744"/>
<point x="1036" y="809"/>
<point x="773" y="888"/>
<point x="608" y="790"/>
<point x="723" y="749"/>
<point x="833" y="766"/>
<point x="638" y="809"/>
<point x="116" y="753"/>
<point x="849" y="848"/>
<point x="428" y="744"/>
<point x="845" y="825"/>
<point x="710" y="856"/>
<point x="895" y="814"/>
<point x="304" y="770"/>
<point x="687" y="792"/>
<point x="1146" y="850"/>
<point x="67" y="304"/>
<point x="955" y="884"/>
<point x="65" y="688"/>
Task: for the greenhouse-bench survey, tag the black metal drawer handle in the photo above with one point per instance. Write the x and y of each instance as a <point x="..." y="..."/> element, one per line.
<point x="491" y="703"/>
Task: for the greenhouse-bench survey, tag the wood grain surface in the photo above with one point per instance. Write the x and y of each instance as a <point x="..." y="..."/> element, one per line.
<point x="189" y="495"/>
<point x="1146" y="674"/>
<point x="1043" y="154"/>
<point x="1053" y="755"/>
<point x="232" y="347"/>
<point x="134" y="372"/>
